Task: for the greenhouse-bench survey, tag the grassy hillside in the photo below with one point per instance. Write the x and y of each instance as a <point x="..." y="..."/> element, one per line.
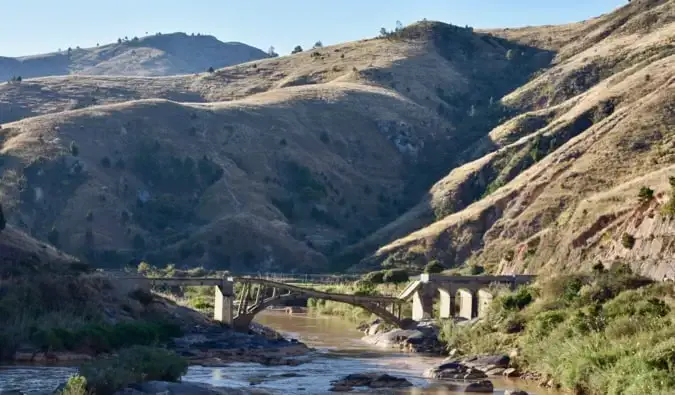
<point x="156" y="55"/>
<point x="556" y="187"/>
<point x="283" y="163"/>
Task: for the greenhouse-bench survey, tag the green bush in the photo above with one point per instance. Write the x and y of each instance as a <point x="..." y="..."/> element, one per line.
<point x="645" y="195"/>
<point x="375" y="277"/>
<point x="132" y="365"/>
<point x="104" y="337"/>
<point x="76" y="385"/>
<point x="627" y="240"/>
<point x="395" y="276"/>
<point x="518" y="300"/>
<point x="434" y="267"/>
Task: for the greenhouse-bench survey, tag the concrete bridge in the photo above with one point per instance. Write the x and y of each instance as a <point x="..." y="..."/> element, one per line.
<point x="255" y="294"/>
<point x="473" y="292"/>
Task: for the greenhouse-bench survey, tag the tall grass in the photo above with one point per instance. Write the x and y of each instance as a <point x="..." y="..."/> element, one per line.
<point x="609" y="332"/>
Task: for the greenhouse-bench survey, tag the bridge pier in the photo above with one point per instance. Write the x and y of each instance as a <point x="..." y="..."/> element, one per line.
<point x="448" y="302"/>
<point x="224" y="303"/>
<point x="468" y="303"/>
<point x="423" y="304"/>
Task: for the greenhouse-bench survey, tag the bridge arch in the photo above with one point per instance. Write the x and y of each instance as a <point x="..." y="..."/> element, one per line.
<point x="372" y="304"/>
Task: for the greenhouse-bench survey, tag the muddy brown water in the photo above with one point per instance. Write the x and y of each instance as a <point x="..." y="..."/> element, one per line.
<point x="340" y="351"/>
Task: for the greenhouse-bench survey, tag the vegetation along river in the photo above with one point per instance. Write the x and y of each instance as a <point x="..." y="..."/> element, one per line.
<point x="340" y="349"/>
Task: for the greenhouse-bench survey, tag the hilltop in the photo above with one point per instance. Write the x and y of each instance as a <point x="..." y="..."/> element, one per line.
<point x="156" y="55"/>
<point x="556" y="187"/>
<point x="271" y="165"/>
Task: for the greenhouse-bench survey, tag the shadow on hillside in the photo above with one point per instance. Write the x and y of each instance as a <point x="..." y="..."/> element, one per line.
<point x="493" y="67"/>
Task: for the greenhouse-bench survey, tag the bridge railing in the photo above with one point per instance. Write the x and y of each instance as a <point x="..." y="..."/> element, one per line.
<point x="299" y="278"/>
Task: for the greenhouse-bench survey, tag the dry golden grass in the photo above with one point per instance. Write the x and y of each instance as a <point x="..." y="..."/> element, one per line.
<point x="602" y="144"/>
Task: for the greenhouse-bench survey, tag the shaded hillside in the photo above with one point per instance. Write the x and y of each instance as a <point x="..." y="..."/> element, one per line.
<point x="285" y="162"/>
<point x="158" y="55"/>
<point x="556" y="187"/>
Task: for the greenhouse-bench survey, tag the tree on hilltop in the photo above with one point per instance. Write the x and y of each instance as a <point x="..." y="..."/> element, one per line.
<point x="297" y="49"/>
<point x="318" y="44"/>
<point x="271" y="52"/>
<point x="3" y="222"/>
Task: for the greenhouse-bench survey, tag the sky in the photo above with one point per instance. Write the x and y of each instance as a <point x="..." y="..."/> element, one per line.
<point x="39" y="26"/>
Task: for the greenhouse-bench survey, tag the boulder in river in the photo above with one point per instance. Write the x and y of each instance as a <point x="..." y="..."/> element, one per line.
<point x="484" y="386"/>
<point x="370" y="380"/>
<point x="420" y="338"/>
<point x="454" y="371"/>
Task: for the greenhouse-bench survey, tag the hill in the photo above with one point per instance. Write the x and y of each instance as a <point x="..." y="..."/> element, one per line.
<point x="271" y="165"/>
<point x="556" y="187"/>
<point x="157" y="55"/>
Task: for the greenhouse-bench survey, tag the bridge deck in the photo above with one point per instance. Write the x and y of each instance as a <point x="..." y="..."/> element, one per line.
<point x="318" y="294"/>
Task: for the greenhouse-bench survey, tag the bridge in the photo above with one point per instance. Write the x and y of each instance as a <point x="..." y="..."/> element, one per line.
<point x="473" y="291"/>
<point x="255" y="294"/>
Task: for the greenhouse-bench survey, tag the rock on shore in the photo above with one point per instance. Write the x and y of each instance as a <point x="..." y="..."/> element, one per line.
<point x="420" y="338"/>
<point x="370" y="380"/>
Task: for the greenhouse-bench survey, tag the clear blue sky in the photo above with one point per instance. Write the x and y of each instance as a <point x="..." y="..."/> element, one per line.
<point x="38" y="26"/>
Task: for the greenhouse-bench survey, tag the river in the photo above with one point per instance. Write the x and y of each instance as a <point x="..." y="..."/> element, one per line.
<point x="341" y="353"/>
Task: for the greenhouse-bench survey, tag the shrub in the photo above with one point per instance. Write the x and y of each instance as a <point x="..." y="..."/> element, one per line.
<point x="130" y="366"/>
<point x="374" y="277"/>
<point x="645" y="195"/>
<point x="433" y="267"/>
<point x="211" y="70"/>
<point x="76" y="385"/>
<point x="518" y="300"/>
<point x="395" y="276"/>
<point x="297" y="49"/>
<point x="627" y="241"/>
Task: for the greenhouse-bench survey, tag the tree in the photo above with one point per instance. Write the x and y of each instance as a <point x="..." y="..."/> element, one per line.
<point x="645" y="195"/>
<point x="211" y="70"/>
<point x="3" y="222"/>
<point x="297" y="49"/>
<point x="318" y="44"/>
<point x="399" y="26"/>
<point x="74" y="149"/>
<point x="433" y="267"/>
<point x="119" y="41"/>
<point x="384" y="32"/>
<point x="271" y="52"/>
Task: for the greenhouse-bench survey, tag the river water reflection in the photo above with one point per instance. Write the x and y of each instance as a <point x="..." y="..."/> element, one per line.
<point x="340" y="349"/>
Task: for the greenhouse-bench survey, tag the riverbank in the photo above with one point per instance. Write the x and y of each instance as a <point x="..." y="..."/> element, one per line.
<point x="605" y="332"/>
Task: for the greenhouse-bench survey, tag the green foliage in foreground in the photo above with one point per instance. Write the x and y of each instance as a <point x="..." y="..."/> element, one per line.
<point x="98" y="337"/>
<point x="131" y="365"/>
<point x="609" y="332"/>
